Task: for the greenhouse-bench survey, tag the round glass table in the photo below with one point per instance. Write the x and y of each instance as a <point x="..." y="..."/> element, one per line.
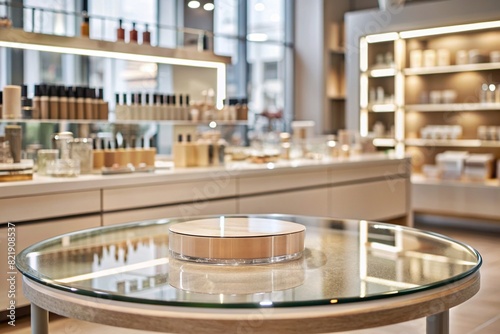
<point x="351" y="275"/>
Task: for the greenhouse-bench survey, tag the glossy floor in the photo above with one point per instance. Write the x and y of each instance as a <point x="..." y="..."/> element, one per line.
<point x="479" y="315"/>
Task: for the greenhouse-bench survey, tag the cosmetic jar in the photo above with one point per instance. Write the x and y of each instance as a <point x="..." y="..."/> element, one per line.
<point x="43" y="158"/>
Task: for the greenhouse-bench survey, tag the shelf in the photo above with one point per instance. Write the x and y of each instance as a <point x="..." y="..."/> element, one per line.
<point x="451" y="143"/>
<point x="383" y="107"/>
<point x="384" y="142"/>
<point x="452" y="69"/>
<point x="100" y="121"/>
<point x="452" y="107"/>
<point x="337" y="51"/>
<point x="18" y="38"/>
<point x="337" y="97"/>
<point x="382" y="72"/>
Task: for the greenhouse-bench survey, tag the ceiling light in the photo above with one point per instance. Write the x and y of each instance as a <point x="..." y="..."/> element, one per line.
<point x="208" y="6"/>
<point x="449" y="29"/>
<point x="259" y="7"/>
<point x="385" y="37"/>
<point x="193" y="4"/>
<point x="257" y="37"/>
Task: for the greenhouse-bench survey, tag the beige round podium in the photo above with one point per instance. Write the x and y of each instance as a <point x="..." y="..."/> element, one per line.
<point x="236" y="240"/>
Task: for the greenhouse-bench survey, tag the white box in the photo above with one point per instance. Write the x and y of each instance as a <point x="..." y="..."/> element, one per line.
<point x="479" y="167"/>
<point x="451" y="164"/>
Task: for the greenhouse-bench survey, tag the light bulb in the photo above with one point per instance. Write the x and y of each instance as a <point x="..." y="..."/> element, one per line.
<point x="208" y="6"/>
<point x="193" y="4"/>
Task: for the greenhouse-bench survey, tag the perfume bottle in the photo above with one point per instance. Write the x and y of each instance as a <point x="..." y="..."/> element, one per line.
<point x="85" y="26"/>
<point x="146" y="36"/>
<point x="133" y="34"/>
<point x="120" y="32"/>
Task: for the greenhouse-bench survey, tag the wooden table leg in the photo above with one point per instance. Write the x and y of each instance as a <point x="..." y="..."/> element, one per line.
<point x="39" y="320"/>
<point x="439" y="323"/>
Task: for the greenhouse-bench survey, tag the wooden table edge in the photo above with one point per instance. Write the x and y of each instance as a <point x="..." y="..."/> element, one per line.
<point x="310" y="319"/>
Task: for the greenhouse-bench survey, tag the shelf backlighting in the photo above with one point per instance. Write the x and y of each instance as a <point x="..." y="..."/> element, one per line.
<point x="47" y="43"/>
<point x="383" y="108"/>
<point x="385" y="37"/>
<point x="383" y="72"/>
<point x="449" y="29"/>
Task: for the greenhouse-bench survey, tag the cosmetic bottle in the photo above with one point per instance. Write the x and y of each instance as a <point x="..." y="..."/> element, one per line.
<point x="132" y="107"/>
<point x="109" y="156"/>
<point x="146" y="36"/>
<point x="89" y="103"/>
<point x="36" y="103"/>
<point x="71" y="103"/>
<point x="85" y="26"/>
<point x="155" y="107"/>
<point x="103" y="106"/>
<point x="179" y="152"/>
<point x="80" y="102"/>
<point x="27" y="108"/>
<point x="180" y="109"/>
<point x="44" y="102"/>
<point x="118" y="108"/>
<point x="133" y="34"/>
<point x="11" y="102"/>
<point x="24" y="94"/>
<point x="139" y="114"/>
<point x="53" y="103"/>
<point x="126" y="111"/>
<point x="98" y="154"/>
<point x="120" y="32"/>
<point x="1" y="103"/>
<point x="233" y="109"/>
<point x="95" y="102"/>
<point x="243" y="115"/>
<point x="202" y="153"/>
<point x="166" y="115"/>
<point x="149" y="153"/>
<point x="173" y="108"/>
<point x="122" y="154"/>
<point x="145" y="108"/>
<point x="134" y="158"/>
<point x="159" y="107"/>
<point x="63" y="103"/>
<point x="187" y="108"/>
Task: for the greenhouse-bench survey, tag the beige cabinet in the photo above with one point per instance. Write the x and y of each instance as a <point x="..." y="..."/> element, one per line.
<point x="310" y="202"/>
<point x="27" y="234"/>
<point x="224" y="206"/>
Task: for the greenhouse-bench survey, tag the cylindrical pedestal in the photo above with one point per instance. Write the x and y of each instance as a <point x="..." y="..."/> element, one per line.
<point x="11" y="108"/>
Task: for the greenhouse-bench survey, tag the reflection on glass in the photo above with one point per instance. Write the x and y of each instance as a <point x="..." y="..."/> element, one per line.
<point x="343" y="261"/>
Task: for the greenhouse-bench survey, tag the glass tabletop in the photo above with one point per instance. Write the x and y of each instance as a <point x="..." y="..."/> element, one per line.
<point x="343" y="261"/>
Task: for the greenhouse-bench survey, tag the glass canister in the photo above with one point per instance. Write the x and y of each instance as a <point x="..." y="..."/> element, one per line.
<point x="81" y="149"/>
<point x="60" y="141"/>
<point x="43" y="159"/>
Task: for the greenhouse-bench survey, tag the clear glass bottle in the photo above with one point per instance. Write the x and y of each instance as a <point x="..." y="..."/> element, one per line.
<point x="81" y="150"/>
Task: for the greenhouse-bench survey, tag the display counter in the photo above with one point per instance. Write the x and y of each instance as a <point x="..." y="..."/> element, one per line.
<point x="369" y="187"/>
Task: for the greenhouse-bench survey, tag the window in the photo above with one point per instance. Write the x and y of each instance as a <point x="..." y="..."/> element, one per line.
<point x="254" y="34"/>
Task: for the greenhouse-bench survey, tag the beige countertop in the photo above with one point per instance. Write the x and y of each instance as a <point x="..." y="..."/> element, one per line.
<point x="44" y="184"/>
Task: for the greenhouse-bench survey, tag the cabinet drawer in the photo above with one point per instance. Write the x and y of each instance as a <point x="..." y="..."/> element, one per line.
<point x="310" y="202"/>
<point x="49" y="206"/>
<point x="281" y="180"/>
<point x="379" y="200"/>
<point x="387" y="170"/>
<point x="225" y="206"/>
<point x="169" y="193"/>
